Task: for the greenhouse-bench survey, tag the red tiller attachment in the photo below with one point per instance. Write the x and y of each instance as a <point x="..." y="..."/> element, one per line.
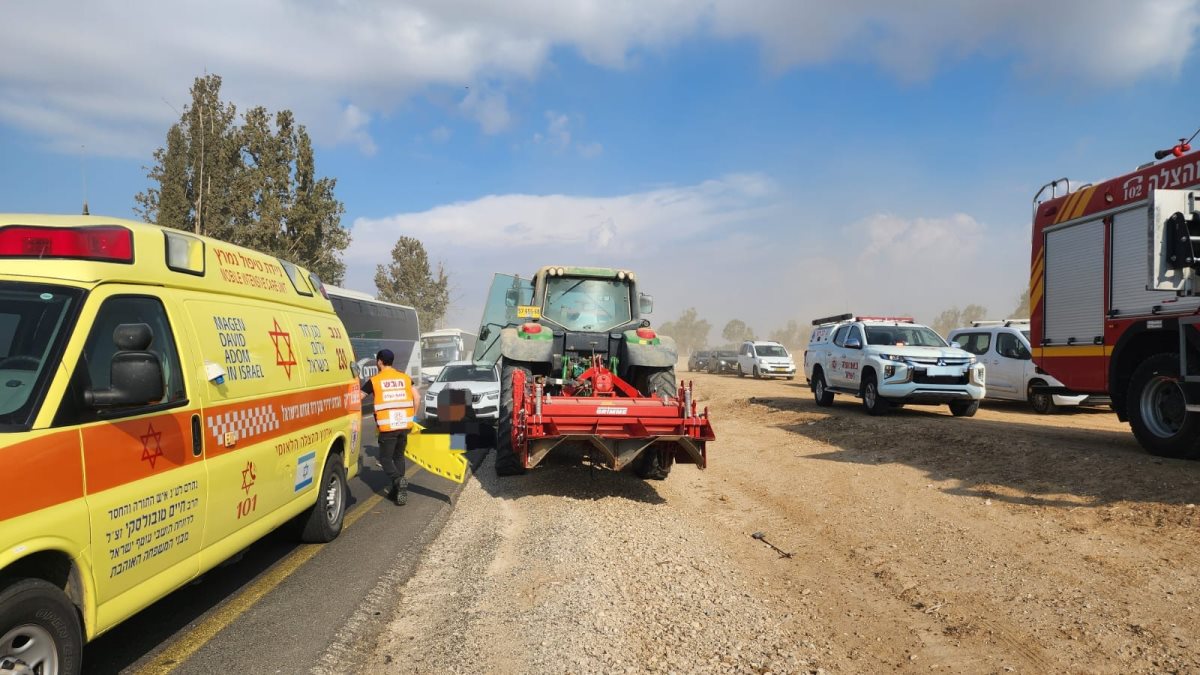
<point x="615" y="419"/>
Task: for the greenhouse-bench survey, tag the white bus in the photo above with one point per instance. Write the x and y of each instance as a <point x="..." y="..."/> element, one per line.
<point x="440" y="347"/>
<point x="373" y="325"/>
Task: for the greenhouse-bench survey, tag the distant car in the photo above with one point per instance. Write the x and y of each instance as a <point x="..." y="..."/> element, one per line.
<point x="481" y="379"/>
<point x="1003" y="346"/>
<point x="765" y="359"/>
<point x="723" y="361"/>
<point x="698" y="361"/>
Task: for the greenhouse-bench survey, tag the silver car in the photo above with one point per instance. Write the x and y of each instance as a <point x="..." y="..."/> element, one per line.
<point x="481" y="379"/>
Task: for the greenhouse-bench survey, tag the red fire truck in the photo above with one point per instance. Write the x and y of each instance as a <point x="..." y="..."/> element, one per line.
<point x="1114" y="291"/>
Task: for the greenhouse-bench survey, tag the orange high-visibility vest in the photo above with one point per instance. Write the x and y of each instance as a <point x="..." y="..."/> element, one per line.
<point x="395" y="403"/>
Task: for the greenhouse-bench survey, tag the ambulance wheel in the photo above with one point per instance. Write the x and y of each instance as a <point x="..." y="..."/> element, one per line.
<point x="872" y="401"/>
<point x="39" y="629"/>
<point x="964" y="408"/>
<point x="823" y="396"/>
<point x="1041" y="402"/>
<point x="1157" y="409"/>
<point x="324" y="521"/>
<point x="757" y="373"/>
<point x="507" y="462"/>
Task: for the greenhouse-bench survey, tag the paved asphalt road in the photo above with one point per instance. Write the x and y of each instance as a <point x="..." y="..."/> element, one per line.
<point x="280" y="607"/>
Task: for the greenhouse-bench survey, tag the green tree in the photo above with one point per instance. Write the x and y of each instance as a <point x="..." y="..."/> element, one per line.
<point x="689" y="330"/>
<point x="954" y="317"/>
<point x="192" y="180"/>
<point x="254" y="185"/>
<point x="793" y="335"/>
<point x="409" y="280"/>
<point x="1022" y="311"/>
<point x="736" y="331"/>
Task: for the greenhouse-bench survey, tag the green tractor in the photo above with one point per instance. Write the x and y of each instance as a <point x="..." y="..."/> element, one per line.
<point x="579" y="363"/>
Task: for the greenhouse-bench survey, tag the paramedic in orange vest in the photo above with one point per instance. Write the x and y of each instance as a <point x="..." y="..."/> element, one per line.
<point x="395" y="405"/>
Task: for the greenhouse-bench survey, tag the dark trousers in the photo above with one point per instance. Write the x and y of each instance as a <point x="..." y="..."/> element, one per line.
<point x="391" y="453"/>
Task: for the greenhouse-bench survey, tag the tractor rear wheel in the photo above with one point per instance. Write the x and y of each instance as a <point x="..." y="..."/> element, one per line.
<point x="653" y="464"/>
<point x="507" y="461"/>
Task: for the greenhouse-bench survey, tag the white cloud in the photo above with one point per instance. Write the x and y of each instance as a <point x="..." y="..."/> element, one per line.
<point x="733" y="247"/>
<point x="102" y="78"/>
<point x="441" y="134"/>
<point x="558" y="135"/>
<point x="644" y="221"/>
<point x="354" y="129"/>
<point x="488" y="108"/>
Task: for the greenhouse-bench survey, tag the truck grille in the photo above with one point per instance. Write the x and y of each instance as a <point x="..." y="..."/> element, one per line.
<point x="921" y="378"/>
<point x="934" y="361"/>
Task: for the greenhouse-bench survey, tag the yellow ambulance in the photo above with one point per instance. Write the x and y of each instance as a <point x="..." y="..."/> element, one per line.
<point x="165" y="400"/>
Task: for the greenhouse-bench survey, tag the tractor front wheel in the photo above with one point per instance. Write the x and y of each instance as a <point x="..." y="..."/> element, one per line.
<point x="507" y="461"/>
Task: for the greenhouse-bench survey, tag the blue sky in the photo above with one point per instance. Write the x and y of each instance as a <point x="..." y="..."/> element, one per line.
<point x="765" y="160"/>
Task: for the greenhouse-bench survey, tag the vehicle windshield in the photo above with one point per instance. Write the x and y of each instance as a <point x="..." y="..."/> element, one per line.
<point x="727" y="355"/>
<point x="467" y="374"/>
<point x="33" y="326"/>
<point x="438" y="351"/>
<point x="1026" y="334"/>
<point x="770" y="350"/>
<point x="587" y="304"/>
<point x="904" y="336"/>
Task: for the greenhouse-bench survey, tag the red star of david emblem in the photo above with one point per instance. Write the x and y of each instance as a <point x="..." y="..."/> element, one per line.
<point x="149" y="439"/>
<point x="248" y="477"/>
<point x="283" y="339"/>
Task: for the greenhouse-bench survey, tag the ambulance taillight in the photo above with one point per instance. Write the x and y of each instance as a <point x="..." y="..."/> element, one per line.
<point x="106" y="243"/>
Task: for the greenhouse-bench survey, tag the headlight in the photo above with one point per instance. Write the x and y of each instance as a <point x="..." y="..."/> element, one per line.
<point x="894" y="357"/>
<point x="971" y="360"/>
<point x="431" y="398"/>
<point x="494" y="396"/>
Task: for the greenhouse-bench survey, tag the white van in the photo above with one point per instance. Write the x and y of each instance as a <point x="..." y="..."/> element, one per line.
<point x="1003" y="346"/>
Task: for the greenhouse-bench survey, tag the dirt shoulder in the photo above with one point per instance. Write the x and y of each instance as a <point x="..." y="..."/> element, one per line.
<point x="1005" y="542"/>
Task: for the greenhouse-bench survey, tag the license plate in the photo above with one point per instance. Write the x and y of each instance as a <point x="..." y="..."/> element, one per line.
<point x="944" y="371"/>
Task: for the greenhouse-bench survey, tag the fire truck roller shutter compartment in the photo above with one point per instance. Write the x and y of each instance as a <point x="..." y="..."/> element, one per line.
<point x="1074" y="303"/>
<point x="1130" y="268"/>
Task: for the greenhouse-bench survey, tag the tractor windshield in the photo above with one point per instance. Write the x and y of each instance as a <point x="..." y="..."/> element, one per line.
<point x="587" y="304"/>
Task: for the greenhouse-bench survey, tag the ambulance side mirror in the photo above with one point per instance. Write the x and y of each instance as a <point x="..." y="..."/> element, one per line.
<point x="136" y="375"/>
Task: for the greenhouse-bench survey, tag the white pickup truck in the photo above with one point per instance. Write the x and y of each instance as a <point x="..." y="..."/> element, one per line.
<point x="890" y="361"/>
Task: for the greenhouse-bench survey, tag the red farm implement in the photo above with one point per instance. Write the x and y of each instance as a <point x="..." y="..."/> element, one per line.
<point x="600" y="409"/>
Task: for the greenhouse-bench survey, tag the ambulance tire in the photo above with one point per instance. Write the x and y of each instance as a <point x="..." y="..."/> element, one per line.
<point x="964" y="408"/>
<point x="324" y="522"/>
<point x="874" y="403"/>
<point x="33" y="611"/>
<point x="507" y="462"/>
<point x="1155" y="409"/>
<point x="821" y="393"/>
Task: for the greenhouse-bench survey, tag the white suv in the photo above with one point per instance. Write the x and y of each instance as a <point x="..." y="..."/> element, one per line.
<point x="890" y="361"/>
<point x="765" y="359"/>
<point x="1004" y="347"/>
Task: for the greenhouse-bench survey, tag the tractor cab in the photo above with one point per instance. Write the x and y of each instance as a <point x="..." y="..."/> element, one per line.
<point x="590" y="302"/>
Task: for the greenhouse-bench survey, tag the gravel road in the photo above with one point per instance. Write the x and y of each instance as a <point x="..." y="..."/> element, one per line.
<point x="1008" y="542"/>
